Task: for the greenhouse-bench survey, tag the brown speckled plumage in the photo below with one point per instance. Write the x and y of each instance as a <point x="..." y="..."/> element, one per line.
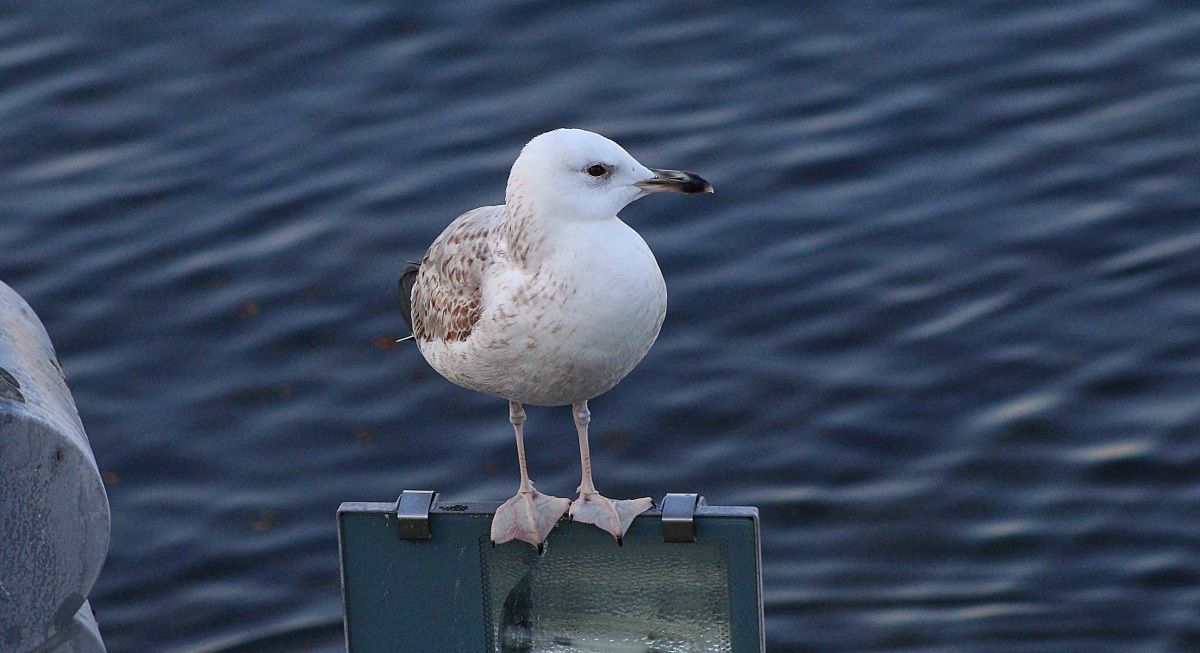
<point x="447" y="298"/>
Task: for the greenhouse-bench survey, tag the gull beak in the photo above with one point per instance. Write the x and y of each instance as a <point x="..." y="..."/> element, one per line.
<point x="676" y="181"/>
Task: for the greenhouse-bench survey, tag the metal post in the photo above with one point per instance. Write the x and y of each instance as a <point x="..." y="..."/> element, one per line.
<point x="54" y="519"/>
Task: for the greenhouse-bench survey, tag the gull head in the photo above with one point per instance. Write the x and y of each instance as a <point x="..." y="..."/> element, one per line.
<point x="579" y="176"/>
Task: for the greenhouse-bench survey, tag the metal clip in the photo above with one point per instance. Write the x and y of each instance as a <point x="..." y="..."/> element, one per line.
<point x="677" y="513"/>
<point x="412" y="514"/>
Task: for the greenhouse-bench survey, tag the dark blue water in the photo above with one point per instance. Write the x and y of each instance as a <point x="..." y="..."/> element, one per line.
<point x="940" y="322"/>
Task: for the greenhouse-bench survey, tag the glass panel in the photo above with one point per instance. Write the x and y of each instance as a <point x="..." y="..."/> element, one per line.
<point x="588" y="594"/>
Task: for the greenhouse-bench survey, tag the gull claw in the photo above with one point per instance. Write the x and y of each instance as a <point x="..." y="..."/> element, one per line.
<point x="529" y="517"/>
<point x="607" y="514"/>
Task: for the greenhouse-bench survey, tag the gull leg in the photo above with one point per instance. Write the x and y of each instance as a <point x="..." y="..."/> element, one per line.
<point x="592" y="508"/>
<point x="530" y="515"/>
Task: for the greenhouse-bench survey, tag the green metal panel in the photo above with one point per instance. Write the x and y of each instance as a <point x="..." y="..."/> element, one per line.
<point x="454" y="592"/>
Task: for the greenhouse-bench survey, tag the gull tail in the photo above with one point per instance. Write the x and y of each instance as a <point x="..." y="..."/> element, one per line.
<point x="408" y="279"/>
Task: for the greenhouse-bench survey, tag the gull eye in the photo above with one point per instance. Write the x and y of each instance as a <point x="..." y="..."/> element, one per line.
<point x="597" y="170"/>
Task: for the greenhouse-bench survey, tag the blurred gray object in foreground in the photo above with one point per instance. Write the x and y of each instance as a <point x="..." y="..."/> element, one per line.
<point x="54" y="519"/>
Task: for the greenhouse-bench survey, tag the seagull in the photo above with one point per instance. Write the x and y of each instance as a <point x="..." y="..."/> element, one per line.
<point x="548" y="300"/>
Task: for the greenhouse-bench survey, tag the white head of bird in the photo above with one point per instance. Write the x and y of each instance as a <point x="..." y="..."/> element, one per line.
<point x="580" y="176"/>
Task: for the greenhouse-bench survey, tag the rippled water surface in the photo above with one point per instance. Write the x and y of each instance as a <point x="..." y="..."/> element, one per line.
<point x="940" y="321"/>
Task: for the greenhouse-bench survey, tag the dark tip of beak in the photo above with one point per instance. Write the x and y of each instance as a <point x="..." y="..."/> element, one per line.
<point x="678" y="181"/>
<point x="694" y="184"/>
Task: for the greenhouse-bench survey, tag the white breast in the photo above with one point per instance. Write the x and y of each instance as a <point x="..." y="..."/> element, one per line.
<point x="572" y="328"/>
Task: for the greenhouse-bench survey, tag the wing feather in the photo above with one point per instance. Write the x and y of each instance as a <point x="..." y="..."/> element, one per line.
<point x="446" y="297"/>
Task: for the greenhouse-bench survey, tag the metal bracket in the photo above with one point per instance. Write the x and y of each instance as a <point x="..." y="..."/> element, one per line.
<point x="412" y="514"/>
<point x="677" y="513"/>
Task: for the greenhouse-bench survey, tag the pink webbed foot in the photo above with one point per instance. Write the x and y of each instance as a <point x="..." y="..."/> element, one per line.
<point x="612" y="516"/>
<point x="529" y="516"/>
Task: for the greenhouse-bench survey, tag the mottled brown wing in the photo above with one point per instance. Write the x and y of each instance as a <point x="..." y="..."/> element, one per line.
<point x="446" y="301"/>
